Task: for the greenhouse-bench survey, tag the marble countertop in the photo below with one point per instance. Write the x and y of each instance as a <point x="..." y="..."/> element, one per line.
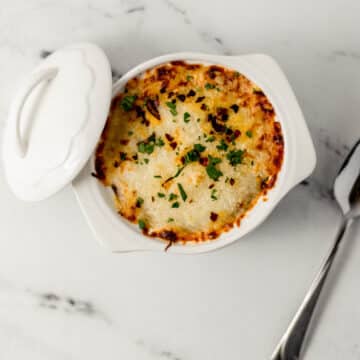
<point x="62" y="296"/>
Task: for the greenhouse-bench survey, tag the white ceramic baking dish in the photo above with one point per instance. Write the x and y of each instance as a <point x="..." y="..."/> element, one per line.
<point x="299" y="159"/>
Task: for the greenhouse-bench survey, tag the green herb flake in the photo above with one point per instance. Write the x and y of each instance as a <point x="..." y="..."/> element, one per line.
<point x="172" y="197"/>
<point x="209" y="86"/>
<point x="175" y="205"/>
<point x="191" y="156"/>
<point x="157" y="176"/>
<point x="178" y="172"/>
<point x="159" y="142"/>
<point x="151" y="138"/>
<point x="142" y="224"/>
<point x="175" y="176"/>
<point x="186" y="117"/>
<point x="213" y="195"/>
<point x="172" y="107"/>
<point x="213" y="172"/>
<point x="145" y="147"/>
<point x="182" y="192"/>
<point x="161" y="195"/>
<point x="127" y="102"/>
<point x="130" y="133"/>
<point x="199" y="148"/>
<point x="210" y="138"/>
<point x="189" y="77"/>
<point x="235" y="157"/>
<point x="139" y="202"/>
<point x="214" y="160"/>
<point x="222" y="146"/>
<point x="211" y="169"/>
<point x="170" y="220"/>
<point x="146" y="161"/>
<point x="249" y="134"/>
<point x="198" y="120"/>
<point x="122" y="156"/>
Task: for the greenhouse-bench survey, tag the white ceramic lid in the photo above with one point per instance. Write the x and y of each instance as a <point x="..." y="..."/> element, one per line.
<point x="56" y="120"/>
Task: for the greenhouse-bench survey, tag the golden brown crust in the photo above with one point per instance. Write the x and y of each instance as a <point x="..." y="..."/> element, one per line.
<point x="149" y="129"/>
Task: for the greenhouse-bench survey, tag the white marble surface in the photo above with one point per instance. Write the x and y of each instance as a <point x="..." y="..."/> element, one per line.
<point x="62" y="296"/>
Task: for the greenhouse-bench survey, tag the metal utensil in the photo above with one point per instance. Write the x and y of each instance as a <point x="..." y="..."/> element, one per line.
<point x="347" y="194"/>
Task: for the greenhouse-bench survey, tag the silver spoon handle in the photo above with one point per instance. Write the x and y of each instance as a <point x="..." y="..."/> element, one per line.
<point x="291" y="343"/>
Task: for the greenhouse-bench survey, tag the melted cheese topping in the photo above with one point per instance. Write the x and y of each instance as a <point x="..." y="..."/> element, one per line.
<point x="188" y="149"/>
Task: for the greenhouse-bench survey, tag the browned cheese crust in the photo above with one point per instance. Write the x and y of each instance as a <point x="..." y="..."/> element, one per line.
<point x="188" y="150"/>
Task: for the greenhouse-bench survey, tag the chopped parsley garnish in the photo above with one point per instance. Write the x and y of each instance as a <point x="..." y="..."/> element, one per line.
<point x="213" y="194"/>
<point x="249" y="134"/>
<point x="170" y="220"/>
<point x="151" y="138"/>
<point x="191" y="156"/>
<point x="235" y="157"/>
<point x="210" y="138"/>
<point x="214" y="160"/>
<point x="123" y="156"/>
<point x="159" y="142"/>
<point x="142" y="224"/>
<point x="127" y="102"/>
<point x="189" y="77"/>
<point x="213" y="172"/>
<point x="172" y="197"/>
<point x="175" y="205"/>
<point x="146" y="148"/>
<point x="209" y="86"/>
<point x="223" y="145"/>
<point x="130" y="133"/>
<point x="200" y="148"/>
<point x="211" y="169"/>
<point x="157" y="176"/>
<point x="161" y="195"/>
<point x="139" y="202"/>
<point x="186" y="117"/>
<point x="182" y="192"/>
<point x="194" y="154"/>
<point x="175" y="176"/>
<point x="146" y="161"/>
<point x="172" y="107"/>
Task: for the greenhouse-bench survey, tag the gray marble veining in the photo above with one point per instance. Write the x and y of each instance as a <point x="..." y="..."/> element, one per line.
<point x="94" y="305"/>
